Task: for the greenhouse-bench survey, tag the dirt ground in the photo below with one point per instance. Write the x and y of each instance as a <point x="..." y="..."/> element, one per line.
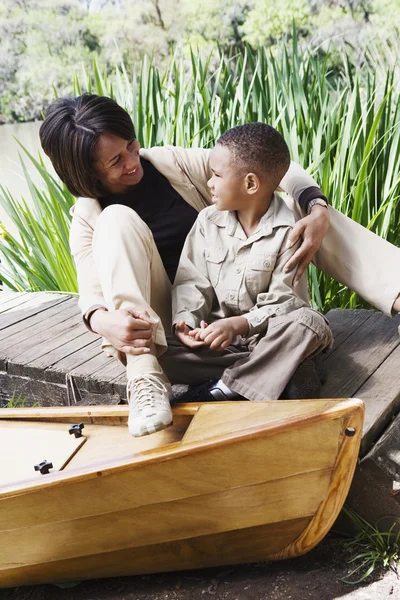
<point x="316" y="575"/>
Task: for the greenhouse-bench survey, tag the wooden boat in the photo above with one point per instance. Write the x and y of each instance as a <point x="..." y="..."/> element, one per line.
<point x="227" y="483"/>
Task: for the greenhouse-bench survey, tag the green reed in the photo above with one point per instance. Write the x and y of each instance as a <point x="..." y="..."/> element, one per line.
<point x="341" y="124"/>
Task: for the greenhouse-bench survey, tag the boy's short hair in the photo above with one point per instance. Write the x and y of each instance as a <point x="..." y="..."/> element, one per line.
<point x="257" y="148"/>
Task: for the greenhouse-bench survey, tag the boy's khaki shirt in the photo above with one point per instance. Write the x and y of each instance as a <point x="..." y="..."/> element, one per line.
<point x="223" y="273"/>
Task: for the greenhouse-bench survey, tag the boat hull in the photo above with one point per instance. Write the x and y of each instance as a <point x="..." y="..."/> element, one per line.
<point x="246" y="482"/>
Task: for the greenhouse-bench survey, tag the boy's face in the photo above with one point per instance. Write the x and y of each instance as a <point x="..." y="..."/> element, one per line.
<point x="226" y="185"/>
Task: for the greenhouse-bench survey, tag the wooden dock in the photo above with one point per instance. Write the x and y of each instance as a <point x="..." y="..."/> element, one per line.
<point x="49" y="357"/>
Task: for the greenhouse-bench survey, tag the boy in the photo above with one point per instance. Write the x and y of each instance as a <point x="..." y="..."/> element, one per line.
<point x="236" y="315"/>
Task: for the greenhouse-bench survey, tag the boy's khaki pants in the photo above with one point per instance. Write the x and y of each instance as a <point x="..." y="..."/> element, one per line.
<point x="131" y="272"/>
<point x="259" y="370"/>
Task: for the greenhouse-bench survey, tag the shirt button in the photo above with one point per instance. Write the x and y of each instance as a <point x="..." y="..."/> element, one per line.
<point x="238" y="271"/>
<point x="231" y="296"/>
<point x="267" y="263"/>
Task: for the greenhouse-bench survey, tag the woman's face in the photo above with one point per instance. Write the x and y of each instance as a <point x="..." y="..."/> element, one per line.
<point x="118" y="163"/>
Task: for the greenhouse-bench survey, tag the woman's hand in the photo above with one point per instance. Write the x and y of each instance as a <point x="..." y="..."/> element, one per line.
<point x="219" y="335"/>
<point x="312" y="229"/>
<point x="128" y="330"/>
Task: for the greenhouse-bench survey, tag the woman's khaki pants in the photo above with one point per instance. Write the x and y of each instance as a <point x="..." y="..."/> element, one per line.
<point x="132" y="275"/>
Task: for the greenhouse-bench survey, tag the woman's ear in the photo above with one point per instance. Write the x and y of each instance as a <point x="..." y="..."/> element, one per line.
<point x="252" y="183"/>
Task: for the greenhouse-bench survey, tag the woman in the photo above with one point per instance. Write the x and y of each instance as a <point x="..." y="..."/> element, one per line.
<point x="129" y="224"/>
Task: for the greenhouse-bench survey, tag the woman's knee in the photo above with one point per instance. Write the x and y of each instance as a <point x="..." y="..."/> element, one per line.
<point x="118" y="216"/>
<point x="119" y="225"/>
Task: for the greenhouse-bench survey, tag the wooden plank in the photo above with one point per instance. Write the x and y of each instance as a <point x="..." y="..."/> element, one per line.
<point x="19" y="353"/>
<point x="54" y="344"/>
<point x="268" y="502"/>
<point x="22" y="343"/>
<point x="114" y="370"/>
<point x="85" y="375"/>
<point x="14" y="301"/>
<point x="381" y="394"/>
<point x="28" y="300"/>
<point x="108" y="442"/>
<point x="57" y="371"/>
<point x="213" y="420"/>
<point x="13" y="317"/>
<point x="345" y="323"/>
<point x="350" y="365"/>
<point x="51" y="353"/>
<point x="94" y="415"/>
<point x="244" y="545"/>
<point x="37" y="322"/>
<point x="31" y="444"/>
<point x="5" y="295"/>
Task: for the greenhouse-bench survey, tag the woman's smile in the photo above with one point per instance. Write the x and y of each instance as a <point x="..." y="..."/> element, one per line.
<point x="118" y="162"/>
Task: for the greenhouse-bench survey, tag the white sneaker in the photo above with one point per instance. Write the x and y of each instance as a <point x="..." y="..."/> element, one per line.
<point x="149" y="404"/>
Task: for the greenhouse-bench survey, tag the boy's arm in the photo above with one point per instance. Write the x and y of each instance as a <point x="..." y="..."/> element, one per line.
<point x="281" y="297"/>
<point x="192" y="293"/>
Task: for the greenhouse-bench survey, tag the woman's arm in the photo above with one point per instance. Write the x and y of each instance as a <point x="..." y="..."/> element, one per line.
<point x="312" y="228"/>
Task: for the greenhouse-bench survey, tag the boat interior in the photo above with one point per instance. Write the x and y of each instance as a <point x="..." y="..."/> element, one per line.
<point x="72" y="439"/>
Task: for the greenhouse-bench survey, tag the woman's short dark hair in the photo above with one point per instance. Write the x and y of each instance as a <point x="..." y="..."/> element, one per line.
<point x="69" y="136"/>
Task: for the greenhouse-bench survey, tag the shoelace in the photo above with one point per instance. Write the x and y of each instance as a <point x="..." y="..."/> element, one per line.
<point x="147" y="391"/>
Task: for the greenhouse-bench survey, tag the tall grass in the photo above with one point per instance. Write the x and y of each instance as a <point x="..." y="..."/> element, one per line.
<point x="38" y="258"/>
<point x="345" y="129"/>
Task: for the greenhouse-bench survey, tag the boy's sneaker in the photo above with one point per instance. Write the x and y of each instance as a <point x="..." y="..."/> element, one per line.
<point x="210" y="391"/>
<point x="149" y="405"/>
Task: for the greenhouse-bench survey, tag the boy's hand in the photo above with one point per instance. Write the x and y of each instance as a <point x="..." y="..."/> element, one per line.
<point x="182" y="332"/>
<point x="195" y="333"/>
<point x="219" y="335"/>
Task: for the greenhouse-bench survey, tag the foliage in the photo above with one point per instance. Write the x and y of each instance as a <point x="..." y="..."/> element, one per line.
<point x="346" y="129"/>
<point x="269" y="19"/>
<point x="44" y="42"/>
<point x="18" y="401"/>
<point x="39" y="259"/>
<point x="371" y="549"/>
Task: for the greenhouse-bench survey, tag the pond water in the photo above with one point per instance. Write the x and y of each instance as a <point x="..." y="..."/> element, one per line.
<point x="11" y="173"/>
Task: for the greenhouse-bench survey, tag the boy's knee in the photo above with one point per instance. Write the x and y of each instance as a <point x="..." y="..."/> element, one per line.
<point x="316" y="322"/>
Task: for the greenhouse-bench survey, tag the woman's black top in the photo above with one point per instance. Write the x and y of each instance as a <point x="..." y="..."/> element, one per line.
<point x="164" y="211"/>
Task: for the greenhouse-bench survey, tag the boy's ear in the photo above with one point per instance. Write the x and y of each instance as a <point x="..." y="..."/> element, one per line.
<point x="252" y="183"/>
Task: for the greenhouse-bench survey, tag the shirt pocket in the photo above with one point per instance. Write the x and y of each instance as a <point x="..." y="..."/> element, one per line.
<point x="215" y="257"/>
<point x="259" y="271"/>
<point x="263" y="262"/>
